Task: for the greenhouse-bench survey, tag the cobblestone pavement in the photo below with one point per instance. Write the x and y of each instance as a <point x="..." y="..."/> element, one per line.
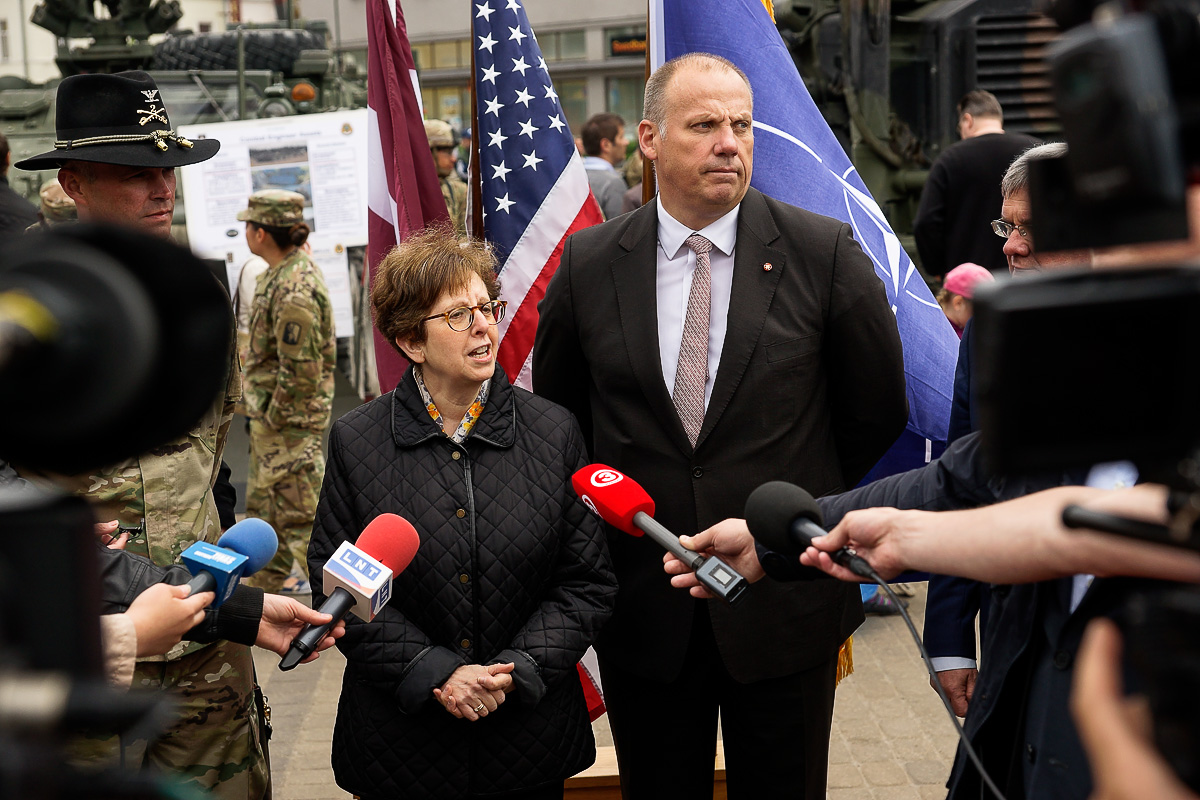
<point x="891" y="737"/>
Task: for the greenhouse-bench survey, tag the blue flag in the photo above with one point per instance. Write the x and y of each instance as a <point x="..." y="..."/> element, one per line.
<point x="798" y="160"/>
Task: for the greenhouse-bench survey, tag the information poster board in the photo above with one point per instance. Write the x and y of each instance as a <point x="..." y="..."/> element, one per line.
<point x="321" y="156"/>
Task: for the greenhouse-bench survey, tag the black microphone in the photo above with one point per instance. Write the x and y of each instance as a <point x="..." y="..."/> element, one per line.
<point x="358" y="578"/>
<point x="785" y="518"/>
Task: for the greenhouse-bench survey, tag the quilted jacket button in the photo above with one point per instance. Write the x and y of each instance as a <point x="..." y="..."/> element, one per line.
<point x="462" y="512"/>
<point x="465" y="643"/>
<point x="456" y="455"/>
<point x="464" y="578"/>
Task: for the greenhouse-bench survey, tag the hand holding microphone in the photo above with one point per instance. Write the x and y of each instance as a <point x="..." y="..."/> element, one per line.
<point x="787" y="519"/>
<point x="621" y="502"/>
<point x="358" y="578"/>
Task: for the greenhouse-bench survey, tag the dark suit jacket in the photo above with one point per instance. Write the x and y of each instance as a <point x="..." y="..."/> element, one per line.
<point x="1019" y="720"/>
<point x="810" y="389"/>
<point x="952" y="603"/>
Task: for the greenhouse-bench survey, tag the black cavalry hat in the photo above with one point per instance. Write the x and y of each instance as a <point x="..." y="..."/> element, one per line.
<point x="117" y="119"/>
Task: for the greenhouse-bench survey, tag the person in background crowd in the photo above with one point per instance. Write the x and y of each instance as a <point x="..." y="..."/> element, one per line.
<point x="462" y="165"/>
<point x="465" y="684"/>
<point x="16" y="213"/>
<point x="962" y="191"/>
<point x="123" y="173"/>
<point x="957" y="292"/>
<point x="632" y="199"/>
<point x="243" y="299"/>
<point x="56" y="205"/>
<point x="442" y="144"/>
<point x="604" y="144"/>
<point x="708" y="342"/>
<point x="290" y="358"/>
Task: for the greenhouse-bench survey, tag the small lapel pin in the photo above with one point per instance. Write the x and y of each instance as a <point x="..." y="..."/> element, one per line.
<point x="767" y="267"/>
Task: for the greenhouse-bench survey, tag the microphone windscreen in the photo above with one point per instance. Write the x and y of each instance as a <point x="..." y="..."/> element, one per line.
<point x="253" y="538"/>
<point x="392" y="539"/>
<point x="772" y="508"/>
<point x="614" y="496"/>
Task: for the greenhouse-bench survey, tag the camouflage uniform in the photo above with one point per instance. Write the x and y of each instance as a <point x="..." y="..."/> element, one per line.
<point x="215" y="742"/>
<point x="289" y="394"/>
<point x="454" y="192"/>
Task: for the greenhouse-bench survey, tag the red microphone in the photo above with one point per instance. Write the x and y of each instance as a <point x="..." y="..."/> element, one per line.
<point x="621" y="502"/>
<point x="358" y="578"/>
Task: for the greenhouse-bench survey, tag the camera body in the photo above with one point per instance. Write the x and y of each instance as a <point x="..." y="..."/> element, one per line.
<point x="1128" y="97"/>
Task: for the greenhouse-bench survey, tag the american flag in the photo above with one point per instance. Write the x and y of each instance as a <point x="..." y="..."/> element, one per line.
<point x="534" y="189"/>
<point x="403" y="194"/>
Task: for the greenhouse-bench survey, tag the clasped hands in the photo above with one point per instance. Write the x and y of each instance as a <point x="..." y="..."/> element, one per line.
<point x="473" y="691"/>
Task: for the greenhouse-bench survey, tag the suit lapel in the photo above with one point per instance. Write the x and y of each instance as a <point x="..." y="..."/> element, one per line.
<point x="634" y="273"/>
<point x="749" y="301"/>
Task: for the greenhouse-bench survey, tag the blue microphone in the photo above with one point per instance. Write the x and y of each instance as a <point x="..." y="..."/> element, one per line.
<point x="242" y="550"/>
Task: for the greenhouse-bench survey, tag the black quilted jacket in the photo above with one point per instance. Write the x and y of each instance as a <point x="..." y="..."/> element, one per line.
<point x="511" y="567"/>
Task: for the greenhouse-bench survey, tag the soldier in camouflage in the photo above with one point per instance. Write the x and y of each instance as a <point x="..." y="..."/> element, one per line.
<point x="123" y="173"/>
<point x="289" y="379"/>
<point x="454" y="191"/>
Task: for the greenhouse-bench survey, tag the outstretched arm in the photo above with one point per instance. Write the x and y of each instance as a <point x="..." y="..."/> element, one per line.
<point x="1019" y="541"/>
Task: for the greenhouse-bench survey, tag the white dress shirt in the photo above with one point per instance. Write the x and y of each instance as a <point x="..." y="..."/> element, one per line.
<point x="676" y="265"/>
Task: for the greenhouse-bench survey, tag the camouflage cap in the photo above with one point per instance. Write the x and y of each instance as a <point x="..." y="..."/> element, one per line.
<point x="276" y="208"/>
<point x="56" y="205"/>
<point x="439" y="133"/>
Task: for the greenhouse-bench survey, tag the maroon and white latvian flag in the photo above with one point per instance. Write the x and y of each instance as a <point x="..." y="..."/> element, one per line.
<point x="403" y="194"/>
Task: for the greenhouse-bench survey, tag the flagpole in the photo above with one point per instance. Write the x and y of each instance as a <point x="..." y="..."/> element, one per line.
<point x="648" y="186"/>
<point x="473" y="173"/>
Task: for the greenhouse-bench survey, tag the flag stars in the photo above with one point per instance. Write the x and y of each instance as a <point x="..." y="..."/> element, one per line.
<point x="523" y="97"/>
<point x="542" y="65"/>
<point x="520" y="66"/>
<point x="493" y="106"/>
<point x="531" y="160"/>
<point x="556" y="123"/>
<point x="485" y="10"/>
<point x="550" y="93"/>
<point x="503" y="203"/>
<point x="487" y="42"/>
<point x="489" y="75"/>
<point x="513" y="6"/>
<point x="499" y="171"/>
<point x="517" y="34"/>
<point x="498" y="139"/>
<point x="527" y="129"/>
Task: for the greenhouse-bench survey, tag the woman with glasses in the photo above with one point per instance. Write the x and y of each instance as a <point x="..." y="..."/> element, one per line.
<point x="465" y="684"/>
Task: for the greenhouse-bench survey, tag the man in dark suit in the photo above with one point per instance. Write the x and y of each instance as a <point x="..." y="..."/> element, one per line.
<point x="962" y="192"/>
<point x="710" y="341"/>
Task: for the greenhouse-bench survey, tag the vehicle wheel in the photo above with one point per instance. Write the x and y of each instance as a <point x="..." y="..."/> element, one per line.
<point x="273" y="49"/>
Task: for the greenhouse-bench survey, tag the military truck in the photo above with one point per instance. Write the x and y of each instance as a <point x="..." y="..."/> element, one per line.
<point x="247" y="72"/>
<point x="888" y="74"/>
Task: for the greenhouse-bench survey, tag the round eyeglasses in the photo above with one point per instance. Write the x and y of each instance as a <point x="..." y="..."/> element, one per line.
<point x="1004" y="229"/>
<point x="460" y="319"/>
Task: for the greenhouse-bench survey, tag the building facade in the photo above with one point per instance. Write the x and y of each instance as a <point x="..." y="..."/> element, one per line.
<point x="595" y="53"/>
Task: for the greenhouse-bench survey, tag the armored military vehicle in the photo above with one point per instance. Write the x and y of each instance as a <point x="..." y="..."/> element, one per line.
<point x="888" y="74"/>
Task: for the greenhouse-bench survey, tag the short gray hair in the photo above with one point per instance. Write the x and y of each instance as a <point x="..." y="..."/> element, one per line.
<point x="654" y="104"/>
<point x="1016" y="177"/>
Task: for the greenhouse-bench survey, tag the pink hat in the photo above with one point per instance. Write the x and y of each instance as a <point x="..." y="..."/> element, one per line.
<point x="962" y="279"/>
